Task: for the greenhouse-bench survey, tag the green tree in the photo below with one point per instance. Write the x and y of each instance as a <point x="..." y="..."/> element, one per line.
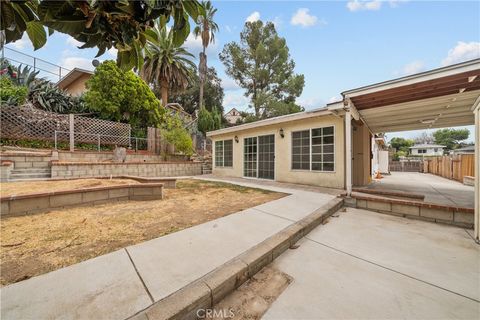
<point x="450" y="138"/>
<point x="213" y="97"/>
<point x="120" y="95"/>
<point x="205" y="121"/>
<point x="261" y="65"/>
<point x="122" y="24"/>
<point x="205" y="29"/>
<point x="401" y="144"/>
<point x="167" y="65"/>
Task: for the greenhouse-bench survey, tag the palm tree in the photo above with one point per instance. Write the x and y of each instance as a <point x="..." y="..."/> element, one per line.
<point x="205" y="29"/>
<point x="167" y="66"/>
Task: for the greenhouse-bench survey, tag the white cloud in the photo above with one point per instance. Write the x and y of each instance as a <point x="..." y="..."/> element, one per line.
<point x="463" y="51"/>
<point x="413" y="67"/>
<point x="254" y="16"/>
<point x="357" y="5"/>
<point x="303" y="18"/>
<point x="235" y="99"/>
<point x="22" y="43"/>
<point x="74" y="43"/>
<point x="194" y="46"/>
<point x="229" y="30"/>
<point x="76" y="62"/>
<point x="229" y="84"/>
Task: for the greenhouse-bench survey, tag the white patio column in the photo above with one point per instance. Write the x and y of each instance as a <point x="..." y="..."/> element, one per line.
<point x="477" y="172"/>
<point x="348" y="152"/>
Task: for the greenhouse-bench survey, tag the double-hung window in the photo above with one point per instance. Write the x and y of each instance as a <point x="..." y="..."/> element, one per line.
<point x="313" y="149"/>
<point x="224" y="153"/>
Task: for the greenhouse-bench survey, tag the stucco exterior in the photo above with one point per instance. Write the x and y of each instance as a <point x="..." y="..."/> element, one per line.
<point x="283" y="151"/>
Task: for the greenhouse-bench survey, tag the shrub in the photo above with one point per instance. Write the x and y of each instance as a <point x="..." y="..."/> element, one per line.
<point x="122" y="96"/>
<point x="47" y="96"/>
<point x="180" y="138"/>
<point x="11" y="94"/>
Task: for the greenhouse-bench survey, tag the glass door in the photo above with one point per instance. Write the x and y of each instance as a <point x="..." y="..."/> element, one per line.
<point x="266" y="157"/>
<point x="259" y="157"/>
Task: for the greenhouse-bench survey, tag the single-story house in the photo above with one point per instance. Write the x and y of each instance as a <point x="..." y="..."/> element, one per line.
<point x="332" y="146"/>
<point x="74" y="81"/>
<point x="427" y="150"/>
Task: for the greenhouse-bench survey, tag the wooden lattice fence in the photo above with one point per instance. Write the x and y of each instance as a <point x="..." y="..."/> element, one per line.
<point x="29" y="123"/>
<point x="451" y="167"/>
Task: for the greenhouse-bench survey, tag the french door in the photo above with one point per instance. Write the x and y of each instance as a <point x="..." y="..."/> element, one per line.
<point x="259" y="157"/>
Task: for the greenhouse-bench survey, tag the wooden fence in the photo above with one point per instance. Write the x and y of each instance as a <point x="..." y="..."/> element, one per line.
<point x="406" y="166"/>
<point x="451" y="167"/>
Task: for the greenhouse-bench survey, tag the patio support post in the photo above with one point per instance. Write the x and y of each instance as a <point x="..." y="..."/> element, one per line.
<point x="476" y="110"/>
<point x="348" y="152"/>
<point x="72" y="131"/>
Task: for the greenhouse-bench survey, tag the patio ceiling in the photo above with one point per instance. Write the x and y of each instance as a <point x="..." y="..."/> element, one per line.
<point x="433" y="99"/>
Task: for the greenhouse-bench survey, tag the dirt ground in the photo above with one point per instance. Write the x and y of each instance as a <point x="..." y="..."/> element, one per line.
<point x="26" y="187"/>
<point x="36" y="244"/>
<point x="252" y="299"/>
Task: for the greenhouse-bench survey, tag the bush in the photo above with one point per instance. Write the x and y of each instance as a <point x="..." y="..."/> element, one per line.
<point x="180" y="138"/>
<point x="209" y="121"/>
<point x="119" y="95"/>
<point x="47" y="96"/>
<point x="11" y="94"/>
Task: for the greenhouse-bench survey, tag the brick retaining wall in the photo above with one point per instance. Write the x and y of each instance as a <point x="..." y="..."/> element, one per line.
<point x="141" y="169"/>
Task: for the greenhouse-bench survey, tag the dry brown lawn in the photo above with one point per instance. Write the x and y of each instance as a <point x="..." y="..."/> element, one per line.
<point x="36" y="244"/>
<point x="26" y="187"/>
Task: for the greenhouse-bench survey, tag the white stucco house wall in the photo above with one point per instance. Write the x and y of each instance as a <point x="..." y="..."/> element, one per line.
<point x="427" y="150"/>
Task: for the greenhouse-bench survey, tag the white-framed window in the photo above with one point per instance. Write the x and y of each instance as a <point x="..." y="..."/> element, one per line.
<point x="422" y="151"/>
<point x="224" y="153"/>
<point x="314" y="149"/>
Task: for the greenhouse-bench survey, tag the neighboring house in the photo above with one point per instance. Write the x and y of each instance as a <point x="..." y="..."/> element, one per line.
<point x="233" y="116"/>
<point x="74" y="81"/>
<point x="464" y="150"/>
<point x="427" y="150"/>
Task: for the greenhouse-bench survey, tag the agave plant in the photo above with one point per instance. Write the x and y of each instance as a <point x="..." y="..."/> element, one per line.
<point x="46" y="96"/>
<point x="25" y="76"/>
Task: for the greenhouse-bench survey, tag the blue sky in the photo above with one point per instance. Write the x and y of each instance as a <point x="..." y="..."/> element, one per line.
<point x="337" y="45"/>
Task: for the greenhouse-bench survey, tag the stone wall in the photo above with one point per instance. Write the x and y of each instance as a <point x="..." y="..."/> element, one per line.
<point x="163" y="169"/>
<point x="93" y="156"/>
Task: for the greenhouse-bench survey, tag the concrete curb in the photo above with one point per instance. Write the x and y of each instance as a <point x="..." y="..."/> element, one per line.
<point x="214" y="286"/>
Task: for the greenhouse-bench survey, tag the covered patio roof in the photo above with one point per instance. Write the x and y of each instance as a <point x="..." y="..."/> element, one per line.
<point x="438" y="98"/>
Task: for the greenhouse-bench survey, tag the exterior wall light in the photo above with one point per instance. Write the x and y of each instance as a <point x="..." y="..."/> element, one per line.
<point x="282" y="134"/>
<point x="236" y="139"/>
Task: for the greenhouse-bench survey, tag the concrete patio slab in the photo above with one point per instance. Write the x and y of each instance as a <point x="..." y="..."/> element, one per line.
<point x="331" y="285"/>
<point x="99" y="288"/>
<point x="442" y="255"/>
<point x="436" y="189"/>
<point x="367" y="265"/>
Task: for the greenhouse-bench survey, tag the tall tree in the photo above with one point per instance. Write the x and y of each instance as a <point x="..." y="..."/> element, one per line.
<point x="401" y="144"/>
<point x="213" y="97"/>
<point x="261" y="64"/>
<point x="450" y="138"/>
<point x="167" y="66"/>
<point x="205" y="29"/>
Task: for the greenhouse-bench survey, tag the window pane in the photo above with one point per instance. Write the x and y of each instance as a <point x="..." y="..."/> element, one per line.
<point x="328" y="139"/>
<point x="328" y="130"/>
<point x="228" y="153"/>
<point x="317" y="166"/>
<point x="219" y="153"/>
<point x="328" y="166"/>
<point x="301" y="150"/>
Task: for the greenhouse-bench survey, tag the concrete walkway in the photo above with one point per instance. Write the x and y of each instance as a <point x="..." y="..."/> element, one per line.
<point x="436" y="189"/>
<point x="120" y="284"/>
<point x="365" y="265"/>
